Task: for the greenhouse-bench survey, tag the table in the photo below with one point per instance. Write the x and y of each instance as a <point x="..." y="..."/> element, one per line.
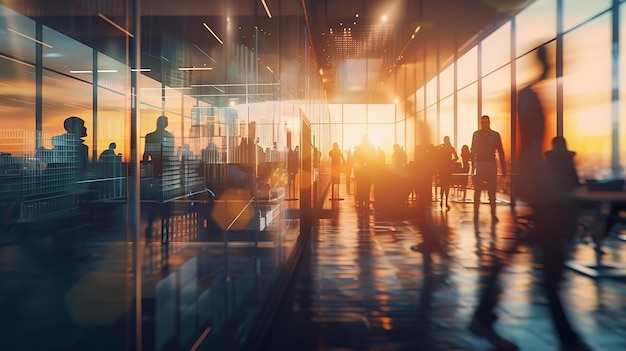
<point x="603" y="201"/>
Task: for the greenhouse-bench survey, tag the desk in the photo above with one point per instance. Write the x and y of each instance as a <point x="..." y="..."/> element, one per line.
<point x="602" y="201"/>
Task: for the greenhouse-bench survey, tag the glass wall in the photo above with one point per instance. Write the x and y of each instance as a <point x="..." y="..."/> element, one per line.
<point x="150" y="166"/>
<point x="577" y="105"/>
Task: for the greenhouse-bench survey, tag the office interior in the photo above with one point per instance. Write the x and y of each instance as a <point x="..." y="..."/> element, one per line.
<point x="121" y="243"/>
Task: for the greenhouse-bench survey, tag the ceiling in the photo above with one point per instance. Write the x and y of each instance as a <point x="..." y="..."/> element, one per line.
<point x="363" y="59"/>
<point x="400" y="59"/>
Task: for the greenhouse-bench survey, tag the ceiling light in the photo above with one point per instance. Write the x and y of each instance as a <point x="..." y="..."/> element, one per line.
<point x="141" y="69"/>
<point x="195" y="68"/>
<point x="384" y="18"/>
<point x="90" y="71"/>
<point x="267" y="9"/>
<point x="29" y="38"/>
<point x="417" y="29"/>
<point x="212" y="32"/>
<point x="356" y="15"/>
<point x="111" y="22"/>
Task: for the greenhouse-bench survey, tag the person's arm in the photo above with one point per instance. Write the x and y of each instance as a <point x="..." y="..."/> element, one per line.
<point x="501" y="156"/>
<point x="473" y="153"/>
<point x="456" y="156"/>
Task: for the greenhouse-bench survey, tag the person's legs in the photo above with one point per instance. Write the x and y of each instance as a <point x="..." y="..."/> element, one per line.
<point x="478" y="189"/>
<point x="484" y="316"/>
<point x="550" y="223"/>
<point x="491" y="192"/>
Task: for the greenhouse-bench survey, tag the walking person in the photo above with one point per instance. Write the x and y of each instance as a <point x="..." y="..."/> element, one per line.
<point x="336" y="161"/>
<point x="538" y="187"/>
<point x="485" y="143"/>
<point x="446" y="156"/>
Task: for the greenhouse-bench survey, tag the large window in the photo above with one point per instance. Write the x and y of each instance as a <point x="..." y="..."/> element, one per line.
<point x="497" y="103"/>
<point x="535" y="25"/>
<point x="587" y="96"/>
<point x="576" y="12"/>
<point x="467" y="111"/>
<point x="467" y="68"/>
<point x="622" y="90"/>
<point x="496" y="49"/>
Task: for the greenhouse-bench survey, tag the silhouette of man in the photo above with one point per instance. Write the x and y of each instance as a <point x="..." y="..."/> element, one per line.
<point x="550" y="212"/>
<point x="159" y="146"/>
<point x="485" y="143"/>
<point x="336" y="161"/>
<point x="70" y="147"/>
<point x="108" y="155"/>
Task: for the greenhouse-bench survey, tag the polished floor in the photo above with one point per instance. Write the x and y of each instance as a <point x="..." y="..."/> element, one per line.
<point x="360" y="286"/>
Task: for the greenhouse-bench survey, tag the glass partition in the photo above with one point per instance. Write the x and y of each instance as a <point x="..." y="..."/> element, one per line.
<point x="587" y="96"/>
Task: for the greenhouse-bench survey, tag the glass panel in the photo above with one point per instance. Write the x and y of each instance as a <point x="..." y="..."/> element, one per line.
<point x="69" y="56"/>
<point x="446" y="81"/>
<point x="17" y="96"/>
<point x="431" y="91"/>
<point x="355" y="114"/>
<point x="622" y="90"/>
<point x="535" y="25"/>
<point x="497" y="104"/>
<point x="576" y="11"/>
<point x="419" y="99"/>
<point x="467" y="114"/>
<point x="60" y="105"/>
<point x="410" y="138"/>
<point x="381" y="113"/>
<point x="16" y="36"/>
<point x="587" y="96"/>
<point x="383" y="136"/>
<point x="467" y="68"/>
<point x="446" y="120"/>
<point x="496" y="49"/>
<point x="432" y="124"/>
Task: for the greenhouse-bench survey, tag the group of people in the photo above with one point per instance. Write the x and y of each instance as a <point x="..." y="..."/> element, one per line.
<point x="542" y="180"/>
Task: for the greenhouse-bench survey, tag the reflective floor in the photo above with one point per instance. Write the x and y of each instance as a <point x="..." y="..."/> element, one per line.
<point x="361" y="287"/>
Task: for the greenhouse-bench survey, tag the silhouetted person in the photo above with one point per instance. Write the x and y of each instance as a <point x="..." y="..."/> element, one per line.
<point x="336" y="161"/>
<point x="446" y="155"/>
<point x="561" y="163"/>
<point x="70" y="147"/>
<point x="380" y="154"/>
<point x="485" y="144"/>
<point x="398" y="158"/>
<point x="108" y="155"/>
<point x="538" y="187"/>
<point x="364" y="166"/>
<point x="293" y="166"/>
<point x="159" y="146"/>
<point x="423" y="169"/>
<point x="466" y="157"/>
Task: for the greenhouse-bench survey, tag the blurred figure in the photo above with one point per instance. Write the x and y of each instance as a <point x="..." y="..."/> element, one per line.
<point x="108" y="155"/>
<point x="561" y="162"/>
<point x="433" y="235"/>
<point x="466" y="157"/>
<point x="347" y="168"/>
<point x="398" y="158"/>
<point x="446" y="155"/>
<point x="159" y="146"/>
<point x="485" y="143"/>
<point x="364" y="165"/>
<point x="293" y="166"/>
<point x="336" y="161"/>
<point x="538" y="187"/>
<point x="380" y="155"/>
